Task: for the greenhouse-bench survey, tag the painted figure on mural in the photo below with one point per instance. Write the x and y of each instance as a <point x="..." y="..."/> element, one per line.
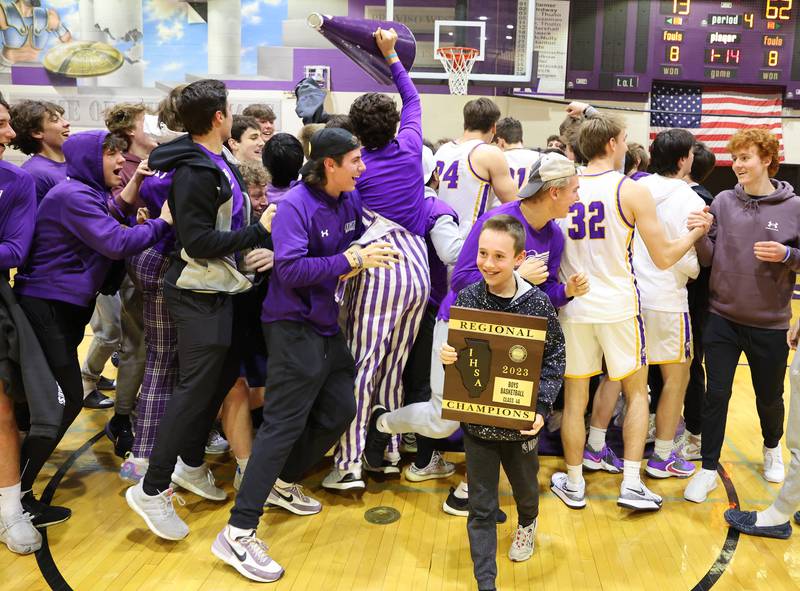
<point x="25" y="27"/>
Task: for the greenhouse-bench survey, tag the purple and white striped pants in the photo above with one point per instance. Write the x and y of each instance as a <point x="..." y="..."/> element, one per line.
<point x="384" y="311"/>
<point x="161" y="343"/>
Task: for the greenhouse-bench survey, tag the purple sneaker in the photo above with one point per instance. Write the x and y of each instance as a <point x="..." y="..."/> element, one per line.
<point x="674" y="465"/>
<point x="248" y="555"/>
<point x="605" y="459"/>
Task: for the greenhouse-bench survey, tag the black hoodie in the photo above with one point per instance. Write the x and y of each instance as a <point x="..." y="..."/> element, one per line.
<point x="201" y="202"/>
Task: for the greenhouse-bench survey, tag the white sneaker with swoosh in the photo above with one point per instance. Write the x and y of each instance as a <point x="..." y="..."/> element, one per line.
<point x="292" y="498"/>
<point x="248" y="555"/>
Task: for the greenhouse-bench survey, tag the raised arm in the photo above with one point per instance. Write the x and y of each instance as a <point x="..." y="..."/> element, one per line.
<point x="411" y="114"/>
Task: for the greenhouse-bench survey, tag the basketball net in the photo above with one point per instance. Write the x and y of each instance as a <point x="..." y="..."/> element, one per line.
<point x="457" y="62"/>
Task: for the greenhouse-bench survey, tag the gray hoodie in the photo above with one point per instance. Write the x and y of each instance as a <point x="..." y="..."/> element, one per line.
<point x="743" y="289"/>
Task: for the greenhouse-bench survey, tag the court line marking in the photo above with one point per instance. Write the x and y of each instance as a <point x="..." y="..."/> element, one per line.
<point x="56" y="581"/>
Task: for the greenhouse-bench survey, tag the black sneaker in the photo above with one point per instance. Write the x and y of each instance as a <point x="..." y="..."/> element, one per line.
<point x="797" y="518"/>
<point x="454" y="505"/>
<point x="121" y="433"/>
<point x="105" y="384"/>
<point x="98" y="401"/>
<point x="42" y="514"/>
<point x="376" y="441"/>
<point x="115" y="359"/>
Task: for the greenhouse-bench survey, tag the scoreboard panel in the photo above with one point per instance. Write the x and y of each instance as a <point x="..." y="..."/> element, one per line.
<point x="624" y="45"/>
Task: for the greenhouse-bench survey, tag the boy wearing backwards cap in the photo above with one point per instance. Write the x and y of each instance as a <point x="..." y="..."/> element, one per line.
<point x="309" y="392"/>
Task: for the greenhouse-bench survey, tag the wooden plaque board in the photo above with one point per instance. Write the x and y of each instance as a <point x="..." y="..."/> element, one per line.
<point x="496" y="378"/>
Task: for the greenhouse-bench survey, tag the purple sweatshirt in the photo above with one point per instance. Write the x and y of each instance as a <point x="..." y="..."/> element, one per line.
<point x="45" y="172"/>
<point x="153" y="193"/>
<point x="17" y="215"/>
<point x="743" y="289"/>
<point x="392" y="185"/>
<point x="436" y="208"/>
<point x="75" y="238"/>
<point x="310" y="232"/>
<point x="546" y="244"/>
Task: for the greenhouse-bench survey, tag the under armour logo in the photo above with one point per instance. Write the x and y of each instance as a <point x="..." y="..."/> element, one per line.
<point x="772" y="225"/>
<point x="324" y="233"/>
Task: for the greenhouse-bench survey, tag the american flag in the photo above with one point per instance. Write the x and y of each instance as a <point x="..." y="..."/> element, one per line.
<point x="705" y="112"/>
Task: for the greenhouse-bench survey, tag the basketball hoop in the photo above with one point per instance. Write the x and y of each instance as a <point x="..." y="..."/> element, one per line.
<point x="457" y="62"/>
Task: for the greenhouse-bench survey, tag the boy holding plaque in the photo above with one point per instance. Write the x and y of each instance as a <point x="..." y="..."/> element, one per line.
<point x="501" y="249"/>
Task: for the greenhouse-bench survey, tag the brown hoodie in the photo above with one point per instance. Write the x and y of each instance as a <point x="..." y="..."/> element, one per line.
<point x="743" y="289"/>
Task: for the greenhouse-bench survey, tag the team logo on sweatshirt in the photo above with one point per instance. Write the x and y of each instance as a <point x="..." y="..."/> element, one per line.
<point x="542" y="256"/>
<point x="324" y="233"/>
<point x="772" y="226"/>
<point x="350" y="226"/>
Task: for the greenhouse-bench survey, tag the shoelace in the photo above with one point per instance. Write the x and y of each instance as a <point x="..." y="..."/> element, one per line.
<point x="256" y="547"/>
<point x="297" y="490"/>
<point x="16" y="519"/>
<point x="166" y="507"/>
<point x="522" y="536"/>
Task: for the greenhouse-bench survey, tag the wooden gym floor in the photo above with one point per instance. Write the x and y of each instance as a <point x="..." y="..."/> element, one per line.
<point x="683" y="546"/>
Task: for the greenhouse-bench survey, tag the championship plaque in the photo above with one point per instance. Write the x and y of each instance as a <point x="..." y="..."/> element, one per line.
<point x="496" y="378"/>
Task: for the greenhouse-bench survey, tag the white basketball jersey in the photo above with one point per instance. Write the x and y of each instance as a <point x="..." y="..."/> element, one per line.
<point x="520" y="161"/>
<point x="599" y="242"/>
<point x="463" y="190"/>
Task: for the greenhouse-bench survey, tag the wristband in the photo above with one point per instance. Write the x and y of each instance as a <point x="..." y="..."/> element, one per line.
<point x="788" y="252"/>
<point x="391" y="56"/>
<point x="359" y="260"/>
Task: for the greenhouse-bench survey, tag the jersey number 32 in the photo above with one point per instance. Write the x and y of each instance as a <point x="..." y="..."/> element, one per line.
<point x="591" y="217"/>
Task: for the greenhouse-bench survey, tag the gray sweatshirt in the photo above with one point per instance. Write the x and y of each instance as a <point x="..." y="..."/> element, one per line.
<point x="743" y="289"/>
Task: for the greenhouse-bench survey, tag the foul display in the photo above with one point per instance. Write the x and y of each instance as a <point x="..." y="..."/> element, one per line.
<point x="624" y="45"/>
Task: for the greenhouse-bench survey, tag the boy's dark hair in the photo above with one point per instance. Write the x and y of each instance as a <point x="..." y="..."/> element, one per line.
<point x="168" y="110"/>
<point x="260" y="112"/>
<point x="509" y="129"/>
<point x="282" y="157"/>
<point x="199" y="102"/>
<point x="511" y="226"/>
<point x="636" y="156"/>
<point x="114" y="143"/>
<point x="242" y="123"/>
<point x="480" y="115"/>
<point x="314" y="174"/>
<point x="667" y="149"/>
<point x="374" y="118"/>
<point x="27" y="118"/>
<point x="554" y="138"/>
<point x="704" y="162"/>
<point x="4" y="103"/>
<point x="341" y="121"/>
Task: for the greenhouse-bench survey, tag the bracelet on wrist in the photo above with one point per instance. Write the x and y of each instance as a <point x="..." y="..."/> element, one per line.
<point x="359" y="260"/>
<point x="391" y="55"/>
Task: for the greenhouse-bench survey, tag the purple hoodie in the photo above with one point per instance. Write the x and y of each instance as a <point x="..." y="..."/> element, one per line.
<point x="153" y="193"/>
<point x="743" y="289"/>
<point x="45" y="172"/>
<point x="392" y="184"/>
<point x="547" y="244"/>
<point x="310" y="232"/>
<point x="17" y="215"/>
<point x="75" y="238"/>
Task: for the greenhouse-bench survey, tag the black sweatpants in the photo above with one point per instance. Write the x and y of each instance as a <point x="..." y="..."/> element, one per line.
<point x="308" y="404"/>
<point x="209" y="361"/>
<point x="60" y="328"/>
<point x="766" y="351"/>
<point x="520" y="461"/>
<point x="696" y="389"/>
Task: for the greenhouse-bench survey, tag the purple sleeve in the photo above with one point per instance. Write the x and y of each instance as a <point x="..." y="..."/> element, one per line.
<point x="292" y="264"/>
<point x="466" y="270"/>
<point x="410" y="133"/>
<point x="552" y="287"/>
<point x="16" y="241"/>
<point x="102" y="233"/>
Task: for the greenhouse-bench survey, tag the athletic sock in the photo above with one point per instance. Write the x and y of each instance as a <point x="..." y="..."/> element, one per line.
<point x="597" y="438"/>
<point x="771" y="516"/>
<point x="242" y="463"/>
<point x="425" y="449"/>
<point x="663" y="447"/>
<point x="575" y="475"/>
<point x="461" y="491"/>
<point x="631" y="473"/>
<point x="118" y="420"/>
<point x="11" y="500"/>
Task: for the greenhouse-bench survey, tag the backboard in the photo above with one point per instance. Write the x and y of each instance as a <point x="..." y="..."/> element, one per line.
<point x="501" y="29"/>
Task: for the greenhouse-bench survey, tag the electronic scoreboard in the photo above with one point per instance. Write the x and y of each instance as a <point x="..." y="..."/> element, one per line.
<point x="624" y="45"/>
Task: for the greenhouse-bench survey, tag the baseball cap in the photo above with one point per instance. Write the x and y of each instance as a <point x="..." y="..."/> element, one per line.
<point x="428" y="164"/>
<point x="550" y="167"/>
<point x="328" y="142"/>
